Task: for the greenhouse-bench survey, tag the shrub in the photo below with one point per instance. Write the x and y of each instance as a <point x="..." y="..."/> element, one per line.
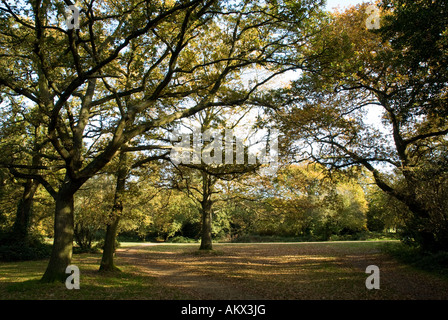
<point x="181" y="239"/>
<point x="414" y="256"/>
<point x="33" y="248"/>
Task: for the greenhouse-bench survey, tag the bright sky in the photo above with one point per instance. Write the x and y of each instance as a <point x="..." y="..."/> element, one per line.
<point x="331" y="4"/>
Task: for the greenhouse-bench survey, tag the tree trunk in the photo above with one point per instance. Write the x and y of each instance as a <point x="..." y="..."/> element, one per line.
<point x="206" y="231"/>
<point x="422" y="227"/>
<point x="24" y="211"/>
<point x="61" y="254"/>
<point x="25" y="206"/>
<point x="107" y="260"/>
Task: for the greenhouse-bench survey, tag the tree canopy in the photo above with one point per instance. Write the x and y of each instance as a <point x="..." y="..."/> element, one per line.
<point x="357" y="69"/>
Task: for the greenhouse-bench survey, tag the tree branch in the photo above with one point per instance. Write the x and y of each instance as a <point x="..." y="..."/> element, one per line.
<point x="425" y="136"/>
<point x="36" y="177"/>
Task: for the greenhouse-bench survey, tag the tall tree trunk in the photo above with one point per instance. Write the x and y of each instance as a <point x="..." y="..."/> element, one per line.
<point x="25" y="205"/>
<point x="61" y="254"/>
<point x="24" y="210"/>
<point x="107" y="260"/>
<point x="419" y="226"/>
<point x="206" y="208"/>
<point x="206" y="231"/>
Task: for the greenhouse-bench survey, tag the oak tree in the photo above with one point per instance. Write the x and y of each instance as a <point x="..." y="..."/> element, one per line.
<point x="356" y="70"/>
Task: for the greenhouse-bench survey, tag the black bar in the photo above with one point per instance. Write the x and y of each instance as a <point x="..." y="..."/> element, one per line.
<point x="221" y="309"/>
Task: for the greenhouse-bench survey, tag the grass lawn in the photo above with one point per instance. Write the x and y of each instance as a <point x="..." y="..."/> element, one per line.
<point x="20" y="280"/>
<point x="275" y="271"/>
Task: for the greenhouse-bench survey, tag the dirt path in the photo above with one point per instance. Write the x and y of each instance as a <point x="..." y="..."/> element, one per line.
<point x="281" y="271"/>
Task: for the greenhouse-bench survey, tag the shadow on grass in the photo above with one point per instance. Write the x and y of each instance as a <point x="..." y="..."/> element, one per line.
<point x="98" y="286"/>
<point x="21" y="280"/>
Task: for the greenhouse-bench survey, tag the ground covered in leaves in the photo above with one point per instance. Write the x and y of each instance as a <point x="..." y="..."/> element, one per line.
<point x="267" y="271"/>
<point x="333" y="270"/>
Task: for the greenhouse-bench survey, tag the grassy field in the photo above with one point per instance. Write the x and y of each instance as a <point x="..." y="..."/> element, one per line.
<point x="269" y="271"/>
<point x="20" y="280"/>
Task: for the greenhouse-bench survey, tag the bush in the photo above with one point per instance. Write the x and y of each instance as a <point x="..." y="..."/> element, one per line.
<point x="181" y="239"/>
<point x="131" y="236"/>
<point x="273" y="238"/>
<point x="33" y="248"/>
<point x="433" y="262"/>
<point x="191" y="229"/>
<point x="99" y="246"/>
